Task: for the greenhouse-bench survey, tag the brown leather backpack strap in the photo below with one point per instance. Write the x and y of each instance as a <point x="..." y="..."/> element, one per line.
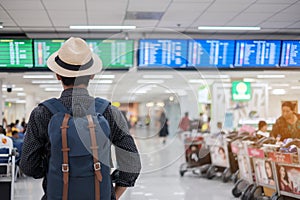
<point x="97" y="164"/>
<point x="65" y="150"/>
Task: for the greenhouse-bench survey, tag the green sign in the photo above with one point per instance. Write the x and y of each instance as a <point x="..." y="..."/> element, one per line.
<point x="43" y="49"/>
<point x="16" y="53"/>
<point x="241" y="91"/>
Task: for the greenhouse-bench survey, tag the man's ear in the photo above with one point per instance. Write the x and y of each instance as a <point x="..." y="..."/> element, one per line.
<point x="92" y="76"/>
<point x="58" y="77"/>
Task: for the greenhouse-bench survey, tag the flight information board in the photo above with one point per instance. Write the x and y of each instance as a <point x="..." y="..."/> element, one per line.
<point x="43" y="49"/>
<point x="163" y="53"/>
<point x="290" y="54"/>
<point x="211" y="53"/>
<point x="257" y="53"/>
<point x="16" y="53"/>
<point x="115" y="54"/>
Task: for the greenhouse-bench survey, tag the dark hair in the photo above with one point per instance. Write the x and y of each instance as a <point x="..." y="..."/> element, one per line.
<point x="222" y="149"/>
<point x="288" y="104"/>
<point x="14" y="133"/>
<point x="2" y="130"/>
<point x="261" y="124"/>
<point x="286" y="176"/>
<point x="69" y="81"/>
<point x="269" y="163"/>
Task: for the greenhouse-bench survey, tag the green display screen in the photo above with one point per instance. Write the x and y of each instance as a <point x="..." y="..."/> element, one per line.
<point x="115" y="54"/>
<point x="16" y="53"/>
<point x="43" y="49"/>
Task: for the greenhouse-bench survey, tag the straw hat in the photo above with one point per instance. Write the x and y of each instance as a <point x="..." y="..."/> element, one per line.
<point x="74" y="59"/>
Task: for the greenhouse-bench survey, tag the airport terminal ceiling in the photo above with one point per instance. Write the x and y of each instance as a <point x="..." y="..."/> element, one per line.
<point x="277" y="19"/>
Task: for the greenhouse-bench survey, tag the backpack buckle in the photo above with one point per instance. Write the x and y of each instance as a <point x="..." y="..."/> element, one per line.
<point x="97" y="166"/>
<point x="65" y="168"/>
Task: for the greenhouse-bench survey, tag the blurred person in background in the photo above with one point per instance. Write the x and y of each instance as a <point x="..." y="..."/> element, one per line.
<point x="184" y="124"/>
<point x="288" y="124"/>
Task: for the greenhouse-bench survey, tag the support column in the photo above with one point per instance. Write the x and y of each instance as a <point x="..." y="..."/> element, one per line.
<point x="30" y="105"/>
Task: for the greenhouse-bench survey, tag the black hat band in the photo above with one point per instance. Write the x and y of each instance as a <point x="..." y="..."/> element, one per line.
<point x="73" y="67"/>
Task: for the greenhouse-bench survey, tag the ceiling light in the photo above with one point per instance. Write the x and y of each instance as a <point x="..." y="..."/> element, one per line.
<point x="105" y="76"/>
<point x="45" y="81"/>
<point x="1" y="26"/>
<point x="230" y="28"/>
<point x="160" y="104"/>
<point x="21" y="94"/>
<point x="251" y="80"/>
<point x="158" y="76"/>
<point x="101" y="81"/>
<point x="271" y="76"/>
<point x="278" y="92"/>
<point x="21" y="101"/>
<point x="150" y="81"/>
<point x="215" y="76"/>
<point x="15" y="89"/>
<point x="102" y="27"/>
<point x="50" y="86"/>
<point x="150" y="104"/>
<point x="280" y="85"/>
<point x="53" y="89"/>
<point x="38" y="76"/>
<point x="197" y="81"/>
<point x="295" y="87"/>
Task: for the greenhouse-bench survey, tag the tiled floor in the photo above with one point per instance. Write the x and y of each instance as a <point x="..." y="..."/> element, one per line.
<point x="159" y="180"/>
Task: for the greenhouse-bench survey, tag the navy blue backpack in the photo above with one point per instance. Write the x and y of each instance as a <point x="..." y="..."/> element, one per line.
<point x="79" y="165"/>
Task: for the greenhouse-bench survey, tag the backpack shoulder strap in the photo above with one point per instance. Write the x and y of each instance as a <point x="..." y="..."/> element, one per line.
<point x="101" y="105"/>
<point x="54" y="105"/>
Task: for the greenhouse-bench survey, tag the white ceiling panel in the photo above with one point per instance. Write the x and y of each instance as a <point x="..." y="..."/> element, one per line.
<point x="214" y="18"/>
<point x="141" y="23"/>
<point x="295" y="25"/>
<point x="26" y="5"/>
<point x="103" y="6"/>
<point x="148" y="6"/>
<point x="95" y="18"/>
<point x="293" y="9"/>
<point x="271" y="8"/>
<point x="27" y="18"/>
<point x="272" y="24"/>
<point x="285" y="17"/>
<point x="222" y="6"/>
<point x="67" y="18"/>
<point x="190" y="12"/>
<point x="174" y="23"/>
<point x="7" y="22"/>
<point x="276" y="1"/>
<point x="64" y="5"/>
<point x="194" y="1"/>
<point x="11" y="29"/>
<point x="249" y="19"/>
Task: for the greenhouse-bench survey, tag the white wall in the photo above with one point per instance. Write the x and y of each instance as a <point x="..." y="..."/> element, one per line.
<point x="275" y="103"/>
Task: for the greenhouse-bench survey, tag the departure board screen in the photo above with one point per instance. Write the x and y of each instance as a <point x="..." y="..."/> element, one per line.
<point x="43" y="49"/>
<point x="16" y="53"/>
<point x="290" y="54"/>
<point x="163" y="53"/>
<point x="211" y="53"/>
<point x="257" y="53"/>
<point x="115" y="54"/>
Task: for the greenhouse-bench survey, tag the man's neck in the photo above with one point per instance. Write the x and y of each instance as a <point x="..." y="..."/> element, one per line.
<point x="72" y="86"/>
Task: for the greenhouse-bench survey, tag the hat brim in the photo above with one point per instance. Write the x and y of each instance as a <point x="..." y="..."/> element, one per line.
<point x="94" y="69"/>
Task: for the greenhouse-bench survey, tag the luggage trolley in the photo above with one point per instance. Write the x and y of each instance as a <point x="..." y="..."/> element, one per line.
<point x="286" y="169"/>
<point x="220" y="158"/>
<point x="196" y="154"/>
<point x="265" y="177"/>
<point x="246" y="171"/>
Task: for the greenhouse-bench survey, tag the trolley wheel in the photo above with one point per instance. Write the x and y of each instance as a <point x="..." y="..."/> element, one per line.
<point x="226" y="175"/>
<point x="235" y="176"/>
<point x="211" y="172"/>
<point x="247" y="194"/>
<point x="257" y="191"/>
<point x="182" y="172"/>
<point x="238" y="188"/>
<point x="183" y="169"/>
<point x="236" y="192"/>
